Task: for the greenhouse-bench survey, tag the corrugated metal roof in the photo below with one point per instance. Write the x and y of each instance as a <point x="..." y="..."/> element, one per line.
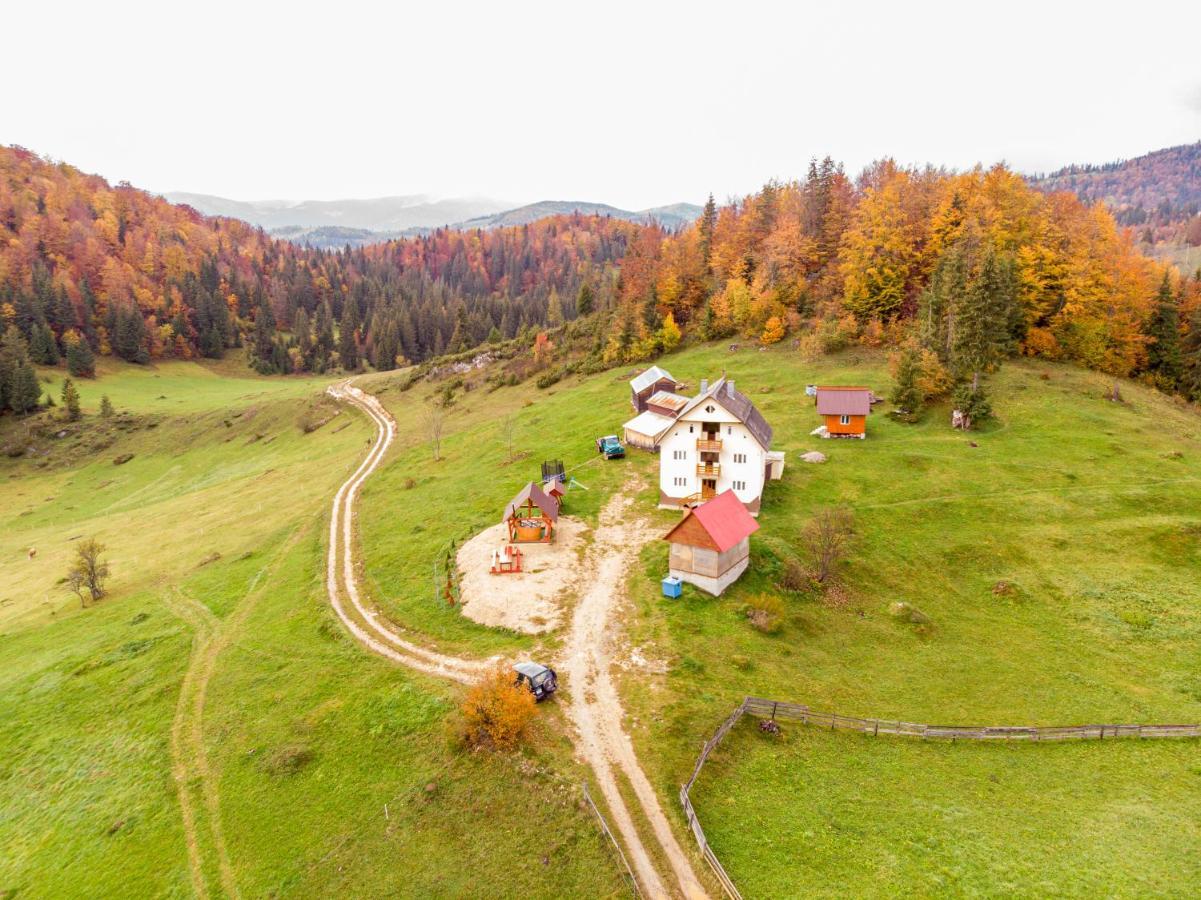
<point x="668" y="400"/>
<point x="649" y="377"/>
<point x="548" y="505"/>
<point x="843" y="401"/>
<point x="649" y="423"/>
<point x="725" y="519"/>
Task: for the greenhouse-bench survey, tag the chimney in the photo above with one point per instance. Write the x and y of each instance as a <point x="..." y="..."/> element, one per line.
<point x="704" y="385"/>
<point x="730" y="388"/>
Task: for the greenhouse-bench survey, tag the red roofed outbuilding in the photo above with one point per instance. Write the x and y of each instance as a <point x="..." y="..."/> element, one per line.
<point x="710" y="545"/>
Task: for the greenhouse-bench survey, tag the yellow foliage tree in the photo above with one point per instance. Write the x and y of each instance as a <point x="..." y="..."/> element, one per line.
<point x="497" y="711"/>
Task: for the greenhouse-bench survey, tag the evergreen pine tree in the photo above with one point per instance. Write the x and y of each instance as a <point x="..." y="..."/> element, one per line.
<point x="70" y="397"/>
<point x="302" y="331"/>
<point x="24" y="392"/>
<point x="1164" y="359"/>
<point x="585" y="300"/>
<point x="81" y="362"/>
<point x="906" y="396"/>
<point x="1190" y="369"/>
<point x="264" y="334"/>
<point x="106" y="407"/>
<point x="42" y="348"/>
<point x="706" y="226"/>
<point x="348" y="346"/>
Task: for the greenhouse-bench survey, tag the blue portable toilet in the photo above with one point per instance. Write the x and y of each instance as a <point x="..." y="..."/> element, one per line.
<point x="672" y="586"/>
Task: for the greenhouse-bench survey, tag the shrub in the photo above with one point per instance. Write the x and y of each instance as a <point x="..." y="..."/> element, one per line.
<point x="794" y="578"/>
<point x="496" y="711"/>
<point x="826" y="537"/>
<point x="546" y="379"/>
<point x="766" y="613"/>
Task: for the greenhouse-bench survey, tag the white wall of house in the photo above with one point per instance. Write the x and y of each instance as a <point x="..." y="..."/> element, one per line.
<point x="742" y="459"/>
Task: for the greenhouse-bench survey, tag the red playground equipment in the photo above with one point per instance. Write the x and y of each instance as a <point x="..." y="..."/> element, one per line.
<point x="506" y="560"/>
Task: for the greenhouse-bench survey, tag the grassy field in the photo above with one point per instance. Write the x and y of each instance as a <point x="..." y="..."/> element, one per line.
<point x="879" y="817"/>
<point x="1056" y="560"/>
<point x="308" y="766"/>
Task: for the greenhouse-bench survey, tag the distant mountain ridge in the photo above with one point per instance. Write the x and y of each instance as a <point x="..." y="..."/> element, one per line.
<point x="336" y="223"/>
<point x="387" y="214"/>
<point x="672" y="216"/>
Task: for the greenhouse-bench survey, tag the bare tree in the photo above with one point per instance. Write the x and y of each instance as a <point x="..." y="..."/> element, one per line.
<point x="435" y="418"/>
<point x="826" y="536"/>
<point x="508" y="430"/>
<point x="88" y="571"/>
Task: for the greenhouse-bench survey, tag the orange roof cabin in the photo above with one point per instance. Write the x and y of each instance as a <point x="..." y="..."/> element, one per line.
<point x="844" y="410"/>
<point x="532" y="516"/>
<point x="711" y="544"/>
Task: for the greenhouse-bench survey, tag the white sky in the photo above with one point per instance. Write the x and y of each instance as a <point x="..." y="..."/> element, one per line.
<point x="635" y="104"/>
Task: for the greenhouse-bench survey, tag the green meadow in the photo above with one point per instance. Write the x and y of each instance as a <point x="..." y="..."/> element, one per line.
<point x="1054" y="553"/>
<point x="209" y="724"/>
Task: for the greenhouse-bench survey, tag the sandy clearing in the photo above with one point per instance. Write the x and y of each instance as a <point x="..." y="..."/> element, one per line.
<point x="531" y="601"/>
<point x="593" y="703"/>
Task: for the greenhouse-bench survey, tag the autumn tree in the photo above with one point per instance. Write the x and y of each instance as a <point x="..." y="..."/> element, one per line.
<point x="435" y="421"/>
<point x="827" y="537"/>
<point x="88" y="571"/>
<point x="497" y="711"/>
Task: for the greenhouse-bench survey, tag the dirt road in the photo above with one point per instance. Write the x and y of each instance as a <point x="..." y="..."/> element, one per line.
<point x="592" y="701"/>
<point x="595" y="708"/>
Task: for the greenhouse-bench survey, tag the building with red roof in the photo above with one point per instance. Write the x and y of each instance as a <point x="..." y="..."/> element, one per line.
<point x="711" y="544"/>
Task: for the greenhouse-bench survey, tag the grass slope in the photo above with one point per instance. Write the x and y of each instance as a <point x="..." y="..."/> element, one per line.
<point x="880" y="817"/>
<point x="215" y="657"/>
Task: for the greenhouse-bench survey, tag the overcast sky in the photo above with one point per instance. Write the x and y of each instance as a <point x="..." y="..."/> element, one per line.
<point x="635" y="104"/>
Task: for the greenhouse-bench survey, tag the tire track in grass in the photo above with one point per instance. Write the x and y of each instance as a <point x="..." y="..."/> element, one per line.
<point x="190" y="763"/>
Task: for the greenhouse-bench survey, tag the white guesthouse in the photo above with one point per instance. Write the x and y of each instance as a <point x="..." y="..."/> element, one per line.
<point x="718" y="442"/>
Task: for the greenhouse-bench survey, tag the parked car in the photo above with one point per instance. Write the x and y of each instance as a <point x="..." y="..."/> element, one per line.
<point x="542" y="681"/>
<point x="610" y="446"/>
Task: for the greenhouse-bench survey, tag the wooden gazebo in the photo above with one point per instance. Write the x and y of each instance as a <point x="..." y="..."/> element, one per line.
<point x="531" y="516"/>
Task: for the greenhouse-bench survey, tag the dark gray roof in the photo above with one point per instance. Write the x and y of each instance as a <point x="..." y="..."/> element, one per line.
<point x="548" y="505"/>
<point x="529" y="669"/>
<point x="739" y="405"/>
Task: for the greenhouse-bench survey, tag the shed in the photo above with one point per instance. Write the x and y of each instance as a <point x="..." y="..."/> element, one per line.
<point x="844" y="409"/>
<point x="531" y="516"/>
<point x="646" y="429"/>
<point x="647" y="384"/>
<point x="710" y="545"/>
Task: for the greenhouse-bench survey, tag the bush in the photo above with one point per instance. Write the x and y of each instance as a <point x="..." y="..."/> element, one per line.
<point x="795" y="578"/>
<point x="546" y="379"/>
<point x="496" y="711"/>
<point x="766" y="613"/>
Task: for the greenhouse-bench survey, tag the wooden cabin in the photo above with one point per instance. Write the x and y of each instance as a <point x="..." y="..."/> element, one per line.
<point x="532" y="516"/>
<point x="711" y="544"/>
<point x="844" y="410"/>
<point x="649" y="383"/>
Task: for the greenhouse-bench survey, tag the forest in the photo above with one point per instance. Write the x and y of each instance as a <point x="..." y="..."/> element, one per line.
<point x="88" y="269"/>
<point x="960" y="269"/>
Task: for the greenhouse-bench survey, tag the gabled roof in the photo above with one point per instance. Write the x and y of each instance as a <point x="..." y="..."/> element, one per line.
<point x="649" y="377"/>
<point x="843" y="401"/>
<point x="668" y="400"/>
<point x="724" y="518"/>
<point x="649" y="423"/>
<point x="548" y="505"/>
<point x="739" y="405"/>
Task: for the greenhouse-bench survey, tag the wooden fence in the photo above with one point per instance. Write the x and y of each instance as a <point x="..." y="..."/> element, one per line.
<point x="629" y="873"/>
<point x="776" y="709"/>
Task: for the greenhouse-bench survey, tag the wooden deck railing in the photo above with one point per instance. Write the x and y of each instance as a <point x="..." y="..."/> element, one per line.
<point x="776" y="709"/>
<point x="708" y="446"/>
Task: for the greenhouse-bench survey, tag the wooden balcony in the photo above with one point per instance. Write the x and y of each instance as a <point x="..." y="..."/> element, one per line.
<point x="710" y="470"/>
<point x="708" y="446"/>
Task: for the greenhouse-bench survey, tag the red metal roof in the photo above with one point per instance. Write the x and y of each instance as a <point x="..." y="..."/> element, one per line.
<point x="843" y="401"/>
<point x="726" y="520"/>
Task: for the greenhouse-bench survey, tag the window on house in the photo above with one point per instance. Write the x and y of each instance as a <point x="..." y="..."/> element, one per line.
<point x="690" y="429"/>
<point x="729" y="430"/>
<point x="739" y="457"/>
<point x="739" y="485"/>
<point x="845" y="420"/>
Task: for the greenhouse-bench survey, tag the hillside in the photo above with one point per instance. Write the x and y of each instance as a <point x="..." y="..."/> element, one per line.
<point x="1158" y="193"/>
<point x="1053" y="554"/>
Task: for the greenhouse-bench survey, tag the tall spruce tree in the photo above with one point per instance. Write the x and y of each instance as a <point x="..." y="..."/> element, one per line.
<point x="706" y="227"/>
<point x="1164" y="356"/>
<point x="348" y="339"/>
<point x="70" y="397"/>
<point x="906" y="396"/>
<point x="81" y="362"/>
<point x="1190" y="354"/>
